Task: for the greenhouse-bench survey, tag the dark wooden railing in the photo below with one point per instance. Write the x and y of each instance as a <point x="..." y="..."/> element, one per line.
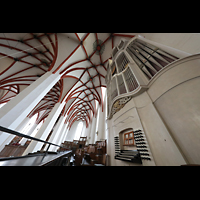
<point x="41" y="155"/>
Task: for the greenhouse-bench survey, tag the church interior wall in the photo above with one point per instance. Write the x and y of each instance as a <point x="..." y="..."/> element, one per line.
<point x="140" y="113"/>
<point x="177" y="101"/>
<point x="188" y="42"/>
<point x="164" y="150"/>
<point x="167" y="110"/>
<point x="180" y="109"/>
<point x="161" y="107"/>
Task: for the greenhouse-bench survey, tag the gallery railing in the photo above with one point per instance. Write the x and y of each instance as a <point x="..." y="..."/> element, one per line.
<point x="3" y="129"/>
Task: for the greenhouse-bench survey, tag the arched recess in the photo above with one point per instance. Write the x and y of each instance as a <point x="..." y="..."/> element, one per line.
<point x="121" y="140"/>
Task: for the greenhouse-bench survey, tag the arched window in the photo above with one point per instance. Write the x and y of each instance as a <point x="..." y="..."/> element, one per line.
<point x="78" y="131"/>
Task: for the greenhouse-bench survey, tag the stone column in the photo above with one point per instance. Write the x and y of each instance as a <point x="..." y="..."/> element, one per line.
<point x="93" y="130"/>
<point x="23" y="140"/>
<point x="62" y="135"/>
<point x="101" y="122"/>
<point x="56" y="133"/>
<point x="65" y="134"/>
<point x="45" y="129"/>
<point x="22" y="124"/>
<point x="15" y="111"/>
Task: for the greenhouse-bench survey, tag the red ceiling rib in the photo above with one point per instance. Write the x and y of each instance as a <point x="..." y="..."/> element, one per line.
<point x="82" y="101"/>
<point x="44" y="47"/>
<point x="84" y="50"/>
<point x="66" y="59"/>
<point x="56" y="93"/>
<point x="123" y="35"/>
<point x="7" y="68"/>
<point x="77" y="36"/>
<point x="71" y="66"/>
<point x="105" y="41"/>
<point x="27" y="54"/>
<point x="49" y="100"/>
<point x="84" y="84"/>
<point x="55" y="48"/>
<point x="10" y="80"/>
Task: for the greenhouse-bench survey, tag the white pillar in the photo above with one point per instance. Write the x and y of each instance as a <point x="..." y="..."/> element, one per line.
<point x="19" y="128"/>
<point x="60" y="137"/>
<point x="93" y="130"/>
<point x="66" y="132"/>
<point x="101" y="122"/>
<point x="14" y="112"/>
<point x="87" y="132"/>
<point x="98" y="123"/>
<point x="101" y="125"/>
<point x="62" y="134"/>
<point x="23" y="140"/>
<point x="83" y="129"/>
<point x="56" y="133"/>
<point x="105" y="121"/>
<point x="22" y="124"/>
<point x="45" y="129"/>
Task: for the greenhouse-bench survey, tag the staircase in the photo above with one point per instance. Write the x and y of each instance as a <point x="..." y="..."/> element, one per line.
<point x="126" y="155"/>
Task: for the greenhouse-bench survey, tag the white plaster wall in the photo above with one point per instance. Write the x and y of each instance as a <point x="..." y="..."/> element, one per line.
<point x="101" y="126"/>
<point x="180" y="109"/>
<point x="177" y="101"/>
<point x="139" y="113"/>
<point x="164" y="150"/>
<point x="127" y="117"/>
<point x="167" y="144"/>
<point x="176" y="73"/>
<point x="188" y="42"/>
<point x="110" y="146"/>
<point x="170" y="110"/>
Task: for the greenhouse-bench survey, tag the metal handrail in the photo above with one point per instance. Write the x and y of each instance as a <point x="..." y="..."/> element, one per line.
<point x="3" y="129"/>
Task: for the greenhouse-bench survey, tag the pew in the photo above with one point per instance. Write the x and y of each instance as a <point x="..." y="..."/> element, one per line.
<point x="101" y="145"/>
<point x="66" y="146"/>
<point x="82" y="141"/>
<point x="79" y="156"/>
<point x="14" y="148"/>
<point x="87" y="155"/>
<point x="95" y="153"/>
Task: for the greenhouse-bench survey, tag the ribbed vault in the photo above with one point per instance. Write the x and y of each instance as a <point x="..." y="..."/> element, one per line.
<point x="24" y="57"/>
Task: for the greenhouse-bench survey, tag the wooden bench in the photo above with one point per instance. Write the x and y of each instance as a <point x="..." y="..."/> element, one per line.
<point x="96" y="153"/>
<point x="88" y="154"/>
<point x="79" y="156"/>
<point x="82" y="141"/>
<point x="12" y="150"/>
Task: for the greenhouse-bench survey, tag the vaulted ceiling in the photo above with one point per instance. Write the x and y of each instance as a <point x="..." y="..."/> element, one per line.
<point x="80" y="58"/>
